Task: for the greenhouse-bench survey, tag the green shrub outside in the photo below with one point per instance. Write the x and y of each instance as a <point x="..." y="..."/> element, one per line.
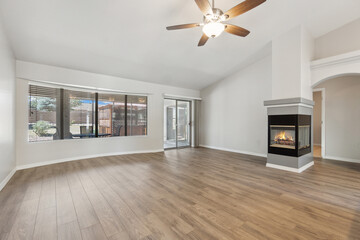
<point x="40" y="128"/>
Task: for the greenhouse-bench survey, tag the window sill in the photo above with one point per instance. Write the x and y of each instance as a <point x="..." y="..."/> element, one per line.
<point x="88" y="139"/>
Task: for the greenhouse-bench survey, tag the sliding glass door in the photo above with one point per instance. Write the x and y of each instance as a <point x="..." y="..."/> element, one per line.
<point x="170" y="123"/>
<point x="183" y="124"/>
<point x="177" y="119"/>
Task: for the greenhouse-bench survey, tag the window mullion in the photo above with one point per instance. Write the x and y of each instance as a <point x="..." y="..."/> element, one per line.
<point x="126" y="117"/>
<point x="62" y="126"/>
<point x="96" y="114"/>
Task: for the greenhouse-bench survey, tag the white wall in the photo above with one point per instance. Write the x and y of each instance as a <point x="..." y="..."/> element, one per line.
<point x="342" y="114"/>
<point x="317" y="98"/>
<point x="233" y="115"/>
<point x="307" y="55"/>
<point x="342" y="40"/>
<point x="7" y="106"/>
<point x="286" y="65"/>
<point x="40" y="152"/>
<point x="292" y="53"/>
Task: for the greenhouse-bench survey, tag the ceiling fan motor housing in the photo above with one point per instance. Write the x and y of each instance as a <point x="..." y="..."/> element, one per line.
<point x="217" y="16"/>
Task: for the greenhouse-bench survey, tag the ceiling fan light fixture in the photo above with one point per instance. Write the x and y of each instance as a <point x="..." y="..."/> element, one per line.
<point x="213" y="29"/>
<point x="213" y="18"/>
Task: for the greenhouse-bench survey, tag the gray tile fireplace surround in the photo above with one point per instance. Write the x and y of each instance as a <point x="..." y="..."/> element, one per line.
<point x="291" y="106"/>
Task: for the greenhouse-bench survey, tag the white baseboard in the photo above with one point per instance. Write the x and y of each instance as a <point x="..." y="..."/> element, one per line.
<point x="7" y="179"/>
<point x="341" y="159"/>
<point x="39" y="164"/>
<point x="235" y="151"/>
<point x="290" y="169"/>
<point x="318" y="145"/>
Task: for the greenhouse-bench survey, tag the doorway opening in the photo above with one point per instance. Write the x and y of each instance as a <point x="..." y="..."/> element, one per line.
<point x="319" y="122"/>
<point x="177" y="123"/>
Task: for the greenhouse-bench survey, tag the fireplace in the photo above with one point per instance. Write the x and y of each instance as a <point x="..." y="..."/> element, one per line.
<point x="289" y="135"/>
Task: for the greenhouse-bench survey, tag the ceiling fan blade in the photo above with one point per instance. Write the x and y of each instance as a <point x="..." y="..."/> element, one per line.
<point x="203" y="40"/>
<point x="204" y="6"/>
<point x="243" y="7"/>
<point x="183" y="26"/>
<point x="239" y="31"/>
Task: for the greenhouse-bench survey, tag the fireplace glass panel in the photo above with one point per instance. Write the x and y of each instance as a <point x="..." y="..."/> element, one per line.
<point x="304" y="137"/>
<point x="282" y="136"/>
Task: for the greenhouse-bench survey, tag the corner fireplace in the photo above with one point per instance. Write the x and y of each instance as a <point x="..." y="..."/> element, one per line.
<point x="289" y="135"/>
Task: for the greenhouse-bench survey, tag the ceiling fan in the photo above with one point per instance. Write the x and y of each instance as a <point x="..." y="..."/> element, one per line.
<point x="213" y="24"/>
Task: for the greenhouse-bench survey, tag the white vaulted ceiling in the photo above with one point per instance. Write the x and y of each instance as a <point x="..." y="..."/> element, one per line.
<point x="128" y="38"/>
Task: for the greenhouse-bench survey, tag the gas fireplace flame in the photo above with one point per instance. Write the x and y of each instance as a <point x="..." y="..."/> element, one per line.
<point x="282" y="136"/>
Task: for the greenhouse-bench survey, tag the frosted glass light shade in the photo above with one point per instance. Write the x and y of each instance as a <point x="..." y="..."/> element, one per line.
<point x="213" y="29"/>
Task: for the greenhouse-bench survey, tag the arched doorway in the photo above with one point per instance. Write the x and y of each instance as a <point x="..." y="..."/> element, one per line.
<point x="320" y="81"/>
<point x="336" y="130"/>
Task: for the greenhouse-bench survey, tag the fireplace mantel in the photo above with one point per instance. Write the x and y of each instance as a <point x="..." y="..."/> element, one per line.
<point x="289" y="101"/>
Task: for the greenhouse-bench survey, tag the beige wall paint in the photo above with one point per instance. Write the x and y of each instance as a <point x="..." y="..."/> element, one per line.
<point x="342" y="40"/>
<point x="342" y="106"/>
<point x="317" y="98"/>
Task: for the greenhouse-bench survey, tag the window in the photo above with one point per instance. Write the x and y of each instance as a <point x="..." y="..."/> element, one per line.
<point x="81" y="121"/>
<point x="56" y="113"/>
<point x="111" y="109"/>
<point x="136" y="115"/>
<point x="43" y="104"/>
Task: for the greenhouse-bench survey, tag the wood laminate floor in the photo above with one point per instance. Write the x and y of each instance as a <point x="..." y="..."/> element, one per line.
<point x="317" y="151"/>
<point x="197" y="194"/>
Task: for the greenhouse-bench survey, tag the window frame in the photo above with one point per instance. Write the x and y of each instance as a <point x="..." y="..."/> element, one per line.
<point x="62" y="89"/>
